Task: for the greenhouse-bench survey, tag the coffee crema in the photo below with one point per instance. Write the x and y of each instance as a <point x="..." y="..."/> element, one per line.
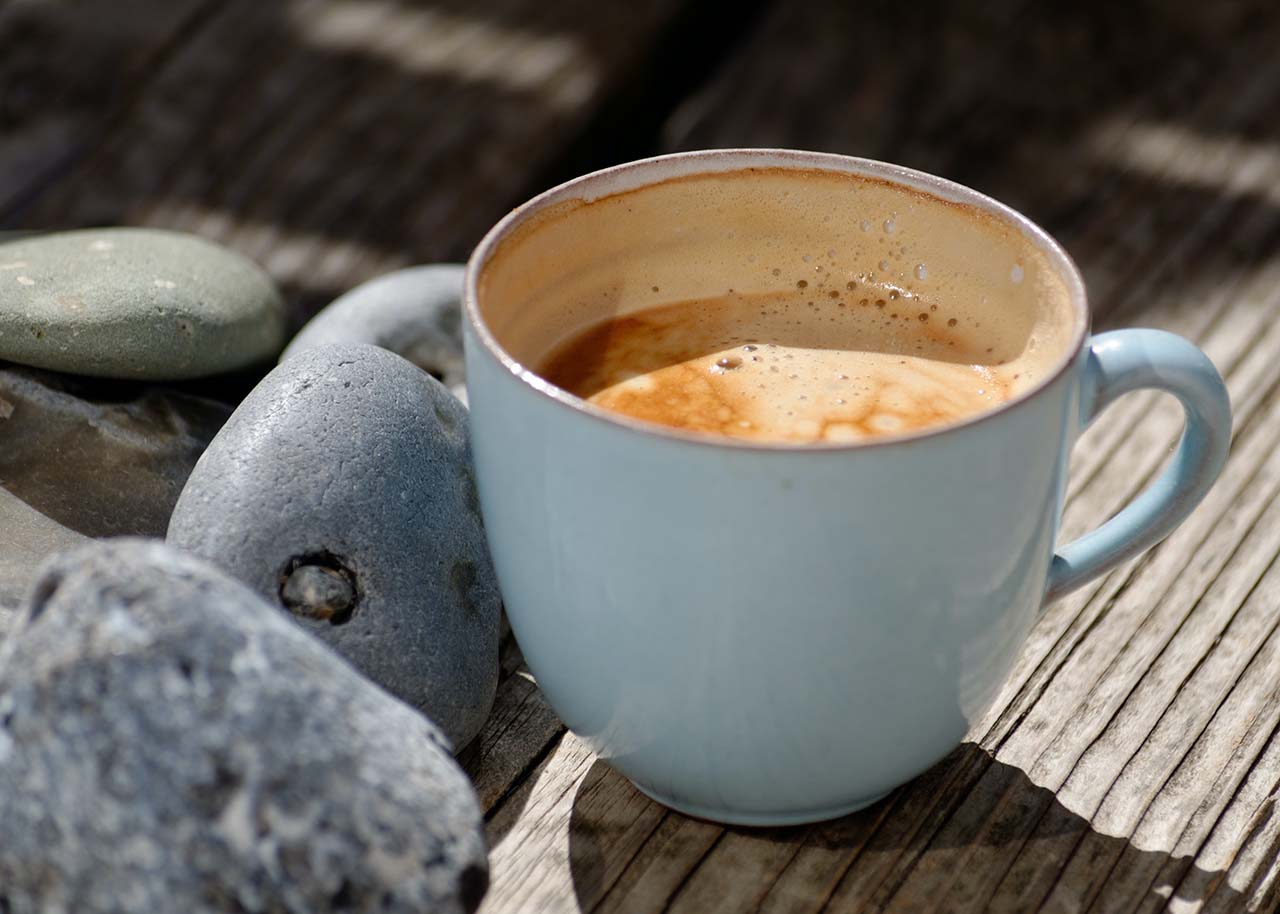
<point x="851" y="362"/>
<point x="875" y="309"/>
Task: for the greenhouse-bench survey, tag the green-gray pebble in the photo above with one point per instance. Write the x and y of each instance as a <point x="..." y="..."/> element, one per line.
<point x="135" y="303"/>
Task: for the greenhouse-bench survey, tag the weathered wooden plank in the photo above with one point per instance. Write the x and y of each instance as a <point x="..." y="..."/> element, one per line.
<point x="1122" y="772"/>
<point x="334" y="139"/>
<point x="67" y="70"/>
<point x="754" y="856"/>
<point x="1125" y="420"/>
<point x="661" y="866"/>
<point x="519" y="729"/>
<point x="536" y="816"/>
<point x="811" y="876"/>
<point x="1227" y="866"/>
<point x="1222" y="822"/>
<point x="584" y="835"/>
<point x="1241" y="723"/>
<point x="610" y="822"/>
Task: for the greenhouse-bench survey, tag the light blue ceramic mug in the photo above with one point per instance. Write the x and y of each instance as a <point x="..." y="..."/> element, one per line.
<point x="771" y="634"/>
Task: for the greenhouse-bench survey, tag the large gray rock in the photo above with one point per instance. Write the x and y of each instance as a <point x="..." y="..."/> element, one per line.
<point x="170" y="744"/>
<point x="134" y="303"/>
<point x="342" y="489"/>
<point x="415" y="313"/>
<point x="102" y="458"/>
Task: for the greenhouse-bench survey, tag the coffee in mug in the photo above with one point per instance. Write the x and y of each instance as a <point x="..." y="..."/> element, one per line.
<point x="846" y="334"/>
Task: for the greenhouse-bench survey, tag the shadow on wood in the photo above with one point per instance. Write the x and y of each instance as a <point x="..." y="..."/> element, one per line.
<point x="1001" y="831"/>
<point x="331" y="140"/>
<point x="1120" y="128"/>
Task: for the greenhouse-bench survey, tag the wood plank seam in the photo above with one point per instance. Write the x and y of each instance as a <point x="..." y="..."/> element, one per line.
<point x="881" y="817"/>
<point x="525" y="772"/>
<point x="692" y="870"/>
<point x="1271" y="630"/>
<point x="1254" y="824"/>
<point x="1185" y="618"/>
<point x="1258" y="824"/>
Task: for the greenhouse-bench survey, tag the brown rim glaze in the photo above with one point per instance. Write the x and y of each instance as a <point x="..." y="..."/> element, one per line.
<point x="588" y="188"/>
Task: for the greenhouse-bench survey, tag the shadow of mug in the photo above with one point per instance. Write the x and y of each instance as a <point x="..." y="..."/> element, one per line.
<point x="971" y="834"/>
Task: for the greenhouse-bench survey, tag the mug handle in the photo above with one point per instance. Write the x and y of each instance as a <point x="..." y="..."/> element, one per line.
<point x="1127" y="360"/>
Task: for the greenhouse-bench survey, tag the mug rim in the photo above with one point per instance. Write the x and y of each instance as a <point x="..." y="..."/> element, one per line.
<point x="741" y="159"/>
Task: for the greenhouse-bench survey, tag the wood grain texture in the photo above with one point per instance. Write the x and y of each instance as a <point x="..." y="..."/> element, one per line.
<point x="67" y="70"/>
<point x="332" y="140"/>
<point x="1133" y="760"/>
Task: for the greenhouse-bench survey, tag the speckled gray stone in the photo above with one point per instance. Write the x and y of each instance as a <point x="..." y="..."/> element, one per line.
<point x="170" y="744"/>
<point x="349" y="458"/>
<point x="415" y="313"/>
<point x="135" y="303"/>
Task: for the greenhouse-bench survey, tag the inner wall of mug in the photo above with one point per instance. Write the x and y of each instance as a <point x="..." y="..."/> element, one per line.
<point x="580" y="260"/>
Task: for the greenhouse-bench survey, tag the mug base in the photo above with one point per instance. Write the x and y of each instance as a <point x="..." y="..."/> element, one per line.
<point x="762" y="819"/>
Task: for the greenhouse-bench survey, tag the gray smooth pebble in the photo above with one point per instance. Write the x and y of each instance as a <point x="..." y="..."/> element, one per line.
<point x="170" y="744"/>
<point x="135" y="303"/>
<point x="415" y="313"/>
<point x="345" y="478"/>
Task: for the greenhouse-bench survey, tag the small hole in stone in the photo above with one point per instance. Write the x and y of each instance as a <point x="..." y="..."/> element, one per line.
<point x="319" y="586"/>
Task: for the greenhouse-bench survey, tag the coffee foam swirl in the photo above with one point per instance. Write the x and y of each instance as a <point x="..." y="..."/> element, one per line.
<point x="793" y="367"/>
